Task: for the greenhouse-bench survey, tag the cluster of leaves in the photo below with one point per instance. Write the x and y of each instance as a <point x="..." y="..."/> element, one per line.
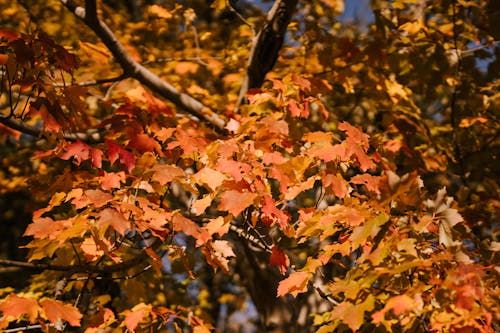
<point x="332" y="181"/>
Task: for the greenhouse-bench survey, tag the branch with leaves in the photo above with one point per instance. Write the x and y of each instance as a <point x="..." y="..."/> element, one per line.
<point x="266" y="45"/>
<point x="135" y="70"/>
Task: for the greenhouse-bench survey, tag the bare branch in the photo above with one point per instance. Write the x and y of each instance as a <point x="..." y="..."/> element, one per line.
<point x="233" y="10"/>
<point x="143" y="75"/>
<point x="266" y="46"/>
<point x="91" y="11"/>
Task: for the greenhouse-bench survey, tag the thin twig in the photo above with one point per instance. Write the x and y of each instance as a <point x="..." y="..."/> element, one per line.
<point x="233" y="10"/>
<point x="93" y="82"/>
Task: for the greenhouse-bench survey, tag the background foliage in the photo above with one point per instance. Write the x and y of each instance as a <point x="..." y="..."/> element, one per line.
<point x="152" y="179"/>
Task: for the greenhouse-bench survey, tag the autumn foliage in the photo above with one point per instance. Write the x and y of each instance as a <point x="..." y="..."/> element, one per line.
<point x="169" y="187"/>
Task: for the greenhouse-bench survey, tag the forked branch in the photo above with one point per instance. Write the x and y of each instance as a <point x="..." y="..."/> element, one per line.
<point x="266" y="45"/>
<point x="135" y="70"/>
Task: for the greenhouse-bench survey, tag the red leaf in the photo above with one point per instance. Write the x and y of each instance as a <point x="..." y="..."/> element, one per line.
<point x="15" y="306"/>
<point x="270" y="210"/>
<point x="144" y="143"/>
<point x="118" y="152"/>
<point x="64" y="59"/>
<point x="56" y="310"/>
<point x="9" y="35"/>
<point x="96" y="156"/>
<point x="78" y="150"/>
<point x="279" y="258"/>
<point x="235" y="202"/>
<point x="295" y="284"/>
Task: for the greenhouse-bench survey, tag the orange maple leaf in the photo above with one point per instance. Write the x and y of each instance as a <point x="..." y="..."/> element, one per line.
<point x="111" y="217"/>
<point x="56" y="310"/>
<point x="15" y="306"/>
<point x="235" y="201"/>
<point x="166" y="173"/>
<point x="295" y="284"/>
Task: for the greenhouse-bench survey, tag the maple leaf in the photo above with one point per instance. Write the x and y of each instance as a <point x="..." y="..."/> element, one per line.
<point x="166" y="173"/>
<point x="78" y="150"/>
<point x="234" y="168"/>
<point x="98" y="198"/>
<point x="218" y="225"/>
<point x="273" y="158"/>
<point x="372" y="183"/>
<point x="217" y="253"/>
<point x="134" y="316"/>
<point x="279" y="258"/>
<point x="117" y="152"/>
<point x="295" y="284"/>
<point x="296" y="190"/>
<point x="15" y="306"/>
<point x="212" y="178"/>
<point x="112" y="180"/>
<point x="273" y="214"/>
<point x="157" y="262"/>
<point x="235" y="202"/>
<point x="185" y="225"/>
<point x="144" y="143"/>
<point x="56" y="310"/>
<point x="328" y="152"/>
<point x="111" y="217"/>
<point x="91" y="250"/>
<point x="199" y="206"/>
<point x="398" y="304"/>
<point x="338" y="184"/>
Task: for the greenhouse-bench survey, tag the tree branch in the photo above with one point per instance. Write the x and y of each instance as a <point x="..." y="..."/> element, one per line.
<point x="93" y="82"/>
<point x="92" y="136"/>
<point x="78" y="268"/>
<point x="266" y="46"/>
<point x="142" y="74"/>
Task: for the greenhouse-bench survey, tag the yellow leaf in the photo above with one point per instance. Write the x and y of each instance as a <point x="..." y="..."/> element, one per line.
<point x="160" y="12"/>
<point x="412" y="28"/>
<point x="396" y="91"/>
<point x="218" y="5"/>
